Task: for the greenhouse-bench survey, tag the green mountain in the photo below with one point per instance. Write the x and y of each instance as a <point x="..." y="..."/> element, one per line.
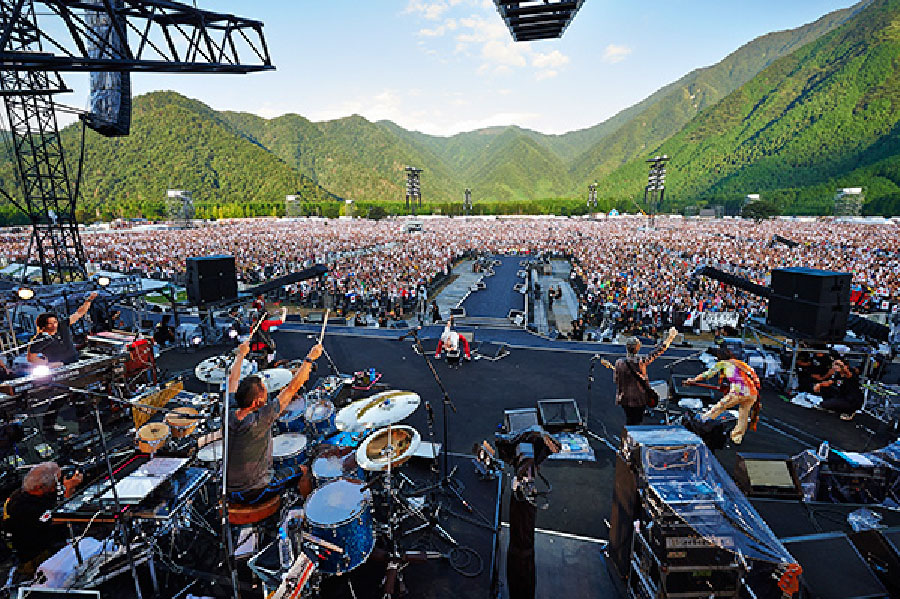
<point x="640" y="128"/>
<point x="175" y="143"/>
<point x="823" y="117"/>
<point x="733" y="128"/>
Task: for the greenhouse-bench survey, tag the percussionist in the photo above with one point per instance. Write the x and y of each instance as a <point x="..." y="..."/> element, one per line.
<point x="26" y="514"/>
<point x="251" y="478"/>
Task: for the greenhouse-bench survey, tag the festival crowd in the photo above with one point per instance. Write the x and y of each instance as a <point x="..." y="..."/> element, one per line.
<point x="617" y="263"/>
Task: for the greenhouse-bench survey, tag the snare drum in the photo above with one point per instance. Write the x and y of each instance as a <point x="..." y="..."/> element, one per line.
<point x="341" y="513"/>
<point x="152" y="437"/>
<point x="332" y="463"/>
<point x="320" y="418"/>
<point x="292" y="420"/>
<point x="289" y="450"/>
<point x="182" y="421"/>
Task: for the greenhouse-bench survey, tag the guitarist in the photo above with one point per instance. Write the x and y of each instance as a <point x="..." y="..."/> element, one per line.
<point x="743" y="390"/>
<point x="632" y="386"/>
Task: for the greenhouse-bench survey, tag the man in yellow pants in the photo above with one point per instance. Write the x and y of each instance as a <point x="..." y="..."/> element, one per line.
<point x="743" y="390"/>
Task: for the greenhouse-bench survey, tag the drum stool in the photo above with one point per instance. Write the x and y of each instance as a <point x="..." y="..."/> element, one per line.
<point x="242" y="514"/>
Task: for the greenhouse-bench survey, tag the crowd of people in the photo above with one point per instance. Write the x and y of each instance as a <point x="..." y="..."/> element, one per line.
<point x="618" y="263"/>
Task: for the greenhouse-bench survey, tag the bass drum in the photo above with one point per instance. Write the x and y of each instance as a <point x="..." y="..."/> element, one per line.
<point x="341" y="513"/>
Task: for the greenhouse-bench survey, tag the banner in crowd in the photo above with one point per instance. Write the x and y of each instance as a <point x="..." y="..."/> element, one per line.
<point x="710" y="321"/>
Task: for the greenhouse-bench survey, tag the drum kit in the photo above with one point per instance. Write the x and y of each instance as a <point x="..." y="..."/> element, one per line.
<point x="337" y="528"/>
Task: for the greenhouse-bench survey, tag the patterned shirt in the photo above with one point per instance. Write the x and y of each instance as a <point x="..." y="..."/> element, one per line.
<point x="740" y="382"/>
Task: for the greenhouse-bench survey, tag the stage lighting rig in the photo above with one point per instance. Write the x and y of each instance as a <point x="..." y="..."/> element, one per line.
<point x="537" y="19"/>
<point x="107" y="38"/>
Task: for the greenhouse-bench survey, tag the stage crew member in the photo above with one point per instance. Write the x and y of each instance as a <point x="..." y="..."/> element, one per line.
<point x="250" y="475"/>
<point x="743" y="391"/>
<point x="631" y="377"/>
<point x="26" y="514"/>
<point x="841" y="391"/>
<point x="53" y="345"/>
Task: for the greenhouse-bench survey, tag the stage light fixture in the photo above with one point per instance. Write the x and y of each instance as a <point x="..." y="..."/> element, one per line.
<point x="40" y="371"/>
<point x="196" y="340"/>
<point x="232" y="333"/>
<point x="25" y="293"/>
<point x="103" y="281"/>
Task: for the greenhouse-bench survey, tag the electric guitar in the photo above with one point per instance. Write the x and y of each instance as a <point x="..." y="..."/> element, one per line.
<point x="722" y="387"/>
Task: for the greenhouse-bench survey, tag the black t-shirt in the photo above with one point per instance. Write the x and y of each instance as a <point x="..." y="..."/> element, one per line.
<point x="58" y="347"/>
<point x="31" y="536"/>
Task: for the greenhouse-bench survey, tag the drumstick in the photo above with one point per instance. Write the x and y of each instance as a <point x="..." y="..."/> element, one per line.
<point x="256" y="326"/>
<point x="322" y="332"/>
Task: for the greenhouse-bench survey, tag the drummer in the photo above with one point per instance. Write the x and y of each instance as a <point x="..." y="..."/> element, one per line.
<point x="250" y="477"/>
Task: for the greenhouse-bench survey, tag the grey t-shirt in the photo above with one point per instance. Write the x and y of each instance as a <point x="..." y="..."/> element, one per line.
<point x="250" y="448"/>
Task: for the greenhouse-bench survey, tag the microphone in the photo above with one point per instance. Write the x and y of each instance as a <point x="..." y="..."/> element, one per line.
<point x="410" y="333"/>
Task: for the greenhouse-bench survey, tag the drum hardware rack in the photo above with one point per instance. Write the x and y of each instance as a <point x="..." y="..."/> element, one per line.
<point x="445" y="484"/>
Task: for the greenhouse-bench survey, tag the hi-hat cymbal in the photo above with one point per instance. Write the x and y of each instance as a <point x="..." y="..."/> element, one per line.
<point x="393" y="445"/>
<point x="275" y="379"/>
<point x="379" y="410"/>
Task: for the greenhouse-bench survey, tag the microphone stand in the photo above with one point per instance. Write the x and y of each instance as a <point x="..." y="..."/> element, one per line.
<point x="120" y="514"/>
<point x="226" y="523"/>
<point x="331" y="364"/>
<point x="446" y="482"/>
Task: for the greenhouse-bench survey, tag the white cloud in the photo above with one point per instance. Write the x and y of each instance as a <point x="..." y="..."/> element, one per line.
<point x="547" y="74"/>
<point x="448" y="25"/>
<point x="429" y="10"/>
<point x="614" y="53"/>
<point x="550" y="60"/>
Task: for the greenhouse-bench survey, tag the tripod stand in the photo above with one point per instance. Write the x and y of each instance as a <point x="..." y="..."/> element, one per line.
<point x="445" y="485"/>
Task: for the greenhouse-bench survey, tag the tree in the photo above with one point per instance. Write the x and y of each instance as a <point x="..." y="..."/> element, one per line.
<point x="377" y="212"/>
<point x="760" y="210"/>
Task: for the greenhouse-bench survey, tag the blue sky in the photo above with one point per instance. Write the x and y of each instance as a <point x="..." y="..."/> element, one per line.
<point x="444" y="66"/>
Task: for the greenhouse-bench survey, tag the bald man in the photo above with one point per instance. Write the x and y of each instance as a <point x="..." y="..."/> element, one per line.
<point x="27" y="513"/>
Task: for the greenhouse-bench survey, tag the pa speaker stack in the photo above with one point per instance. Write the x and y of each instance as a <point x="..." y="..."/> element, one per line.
<point x="211" y="279"/>
<point x="809" y="303"/>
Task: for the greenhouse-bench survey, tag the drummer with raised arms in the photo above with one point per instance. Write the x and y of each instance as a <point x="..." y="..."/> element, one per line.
<point x="251" y="478"/>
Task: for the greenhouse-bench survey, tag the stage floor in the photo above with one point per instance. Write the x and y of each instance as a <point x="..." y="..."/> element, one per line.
<point x="581" y="498"/>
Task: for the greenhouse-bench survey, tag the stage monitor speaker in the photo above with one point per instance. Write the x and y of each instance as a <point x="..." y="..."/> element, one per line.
<point x="211" y="279"/>
<point x="767" y="475"/>
<point x="458" y="312"/>
<point x="807" y="320"/>
<point x="559" y="415"/>
<point x="881" y="550"/>
<point x="812" y="285"/>
<point x="518" y="419"/>
<point x="822" y="556"/>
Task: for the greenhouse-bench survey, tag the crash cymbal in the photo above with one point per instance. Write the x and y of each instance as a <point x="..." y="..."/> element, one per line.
<point x="377" y="411"/>
<point x="214" y="370"/>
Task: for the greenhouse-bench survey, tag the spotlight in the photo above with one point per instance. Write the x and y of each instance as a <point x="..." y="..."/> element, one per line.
<point x="196" y="340"/>
<point x="232" y="333"/>
<point x="40" y="371"/>
<point x="103" y="281"/>
<point x="25" y="293"/>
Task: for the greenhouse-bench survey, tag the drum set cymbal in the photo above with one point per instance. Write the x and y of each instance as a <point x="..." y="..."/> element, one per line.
<point x="390" y="446"/>
<point x="214" y="370"/>
<point x="377" y="411"/>
<point x="275" y="379"/>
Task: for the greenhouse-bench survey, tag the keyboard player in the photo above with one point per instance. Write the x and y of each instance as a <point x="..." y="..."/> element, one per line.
<point x="53" y="346"/>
